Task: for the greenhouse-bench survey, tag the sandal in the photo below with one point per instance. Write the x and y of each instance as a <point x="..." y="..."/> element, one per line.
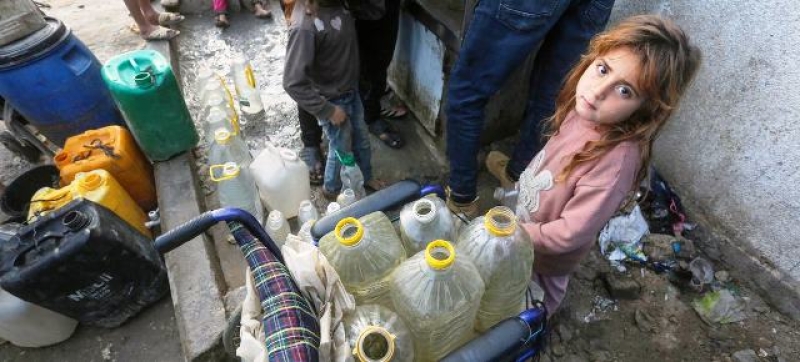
<point x="384" y="131"/>
<point x="221" y="21"/>
<point x="396" y="111"/>
<point x="168" y="19"/>
<point x="316" y="170"/>
<point x="161" y="33"/>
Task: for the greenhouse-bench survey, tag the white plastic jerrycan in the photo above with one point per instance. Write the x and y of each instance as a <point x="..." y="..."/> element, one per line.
<point x="28" y="325"/>
<point x="282" y="179"/>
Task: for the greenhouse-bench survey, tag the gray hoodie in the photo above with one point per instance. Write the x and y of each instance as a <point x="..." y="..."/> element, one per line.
<point x="321" y="58"/>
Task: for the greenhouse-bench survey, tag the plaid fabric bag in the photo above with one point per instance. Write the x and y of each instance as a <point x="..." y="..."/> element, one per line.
<point x="291" y="326"/>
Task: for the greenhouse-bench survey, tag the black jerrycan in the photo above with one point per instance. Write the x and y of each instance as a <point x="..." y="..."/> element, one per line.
<point x="84" y="262"/>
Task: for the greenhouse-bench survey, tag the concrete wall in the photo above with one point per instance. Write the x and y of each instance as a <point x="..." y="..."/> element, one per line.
<point x="732" y="150"/>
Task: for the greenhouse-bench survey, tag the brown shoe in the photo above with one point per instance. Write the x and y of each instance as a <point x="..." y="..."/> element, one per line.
<point x="496" y="163"/>
<point x="466" y="211"/>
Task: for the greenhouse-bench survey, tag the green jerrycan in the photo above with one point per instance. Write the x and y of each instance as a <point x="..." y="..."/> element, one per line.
<point x="145" y="89"/>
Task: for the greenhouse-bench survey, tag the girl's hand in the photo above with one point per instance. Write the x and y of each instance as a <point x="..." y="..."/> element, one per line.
<point x="339" y="116"/>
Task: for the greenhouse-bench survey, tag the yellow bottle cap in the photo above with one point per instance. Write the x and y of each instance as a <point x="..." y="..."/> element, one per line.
<point x="436" y="262"/>
<point x="500" y="221"/>
<point x="222" y="136"/>
<point x="353" y="239"/>
<point x="368" y="335"/>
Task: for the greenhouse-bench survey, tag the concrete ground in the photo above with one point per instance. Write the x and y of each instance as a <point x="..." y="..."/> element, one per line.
<point x="152" y="335"/>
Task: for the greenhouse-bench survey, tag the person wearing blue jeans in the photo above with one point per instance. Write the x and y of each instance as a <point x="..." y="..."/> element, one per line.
<point x="501" y="34"/>
<point x="349" y="136"/>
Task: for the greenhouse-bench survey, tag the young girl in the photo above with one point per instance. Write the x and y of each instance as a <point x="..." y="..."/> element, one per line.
<point x="608" y="114"/>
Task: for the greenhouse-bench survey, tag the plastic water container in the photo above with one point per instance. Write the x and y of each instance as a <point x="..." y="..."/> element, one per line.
<point x="423" y="221"/>
<point x="54" y="81"/>
<point x="214" y="120"/>
<point x="18" y="19"/>
<point x="244" y="81"/>
<point x="28" y="325"/>
<point x="333" y="207"/>
<point x="97" y="186"/>
<point x="376" y="333"/>
<point x="282" y="179"/>
<point x="503" y="254"/>
<point x="351" y="175"/>
<point x="307" y="212"/>
<point x="437" y="293"/>
<point x="84" y="262"/>
<point x="277" y="228"/>
<point x="506" y="197"/>
<point x="235" y="188"/>
<point x="144" y="86"/>
<point x="229" y="148"/>
<point x="364" y="252"/>
<point x="346" y="197"/>
<point x="112" y="149"/>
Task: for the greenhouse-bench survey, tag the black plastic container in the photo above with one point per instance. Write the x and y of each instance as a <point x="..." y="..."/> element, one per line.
<point x="84" y="262"/>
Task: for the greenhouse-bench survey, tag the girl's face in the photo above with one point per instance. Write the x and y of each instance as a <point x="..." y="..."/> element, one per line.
<point x="607" y="92"/>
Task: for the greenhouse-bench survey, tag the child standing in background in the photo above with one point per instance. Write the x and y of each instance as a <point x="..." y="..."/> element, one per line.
<point x="321" y="75"/>
<point x="608" y="115"/>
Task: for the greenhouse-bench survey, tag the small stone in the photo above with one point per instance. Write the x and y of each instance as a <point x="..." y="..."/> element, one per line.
<point x="722" y="276"/>
<point x="673" y="319"/>
<point x="600" y="356"/>
<point x="746" y="355"/>
<point x="622" y="286"/>
<point x="558" y="350"/>
<point x="81" y="6"/>
<point x="762" y="353"/>
<point x="106" y="352"/>
<point x="17" y="160"/>
<point x="764" y="343"/>
<point x="564" y="333"/>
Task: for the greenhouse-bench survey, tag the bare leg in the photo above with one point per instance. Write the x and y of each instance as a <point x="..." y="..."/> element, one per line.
<point x="260" y="11"/>
<point x="148" y="11"/>
<point x="145" y="27"/>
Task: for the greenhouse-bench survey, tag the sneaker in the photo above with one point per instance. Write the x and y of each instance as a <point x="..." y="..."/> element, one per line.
<point x="467" y="210"/>
<point x="496" y="163"/>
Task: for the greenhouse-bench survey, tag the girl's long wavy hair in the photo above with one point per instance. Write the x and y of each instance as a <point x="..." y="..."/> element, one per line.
<point x="668" y="63"/>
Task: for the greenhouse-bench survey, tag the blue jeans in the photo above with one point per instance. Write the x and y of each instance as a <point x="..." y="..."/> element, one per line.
<point x="350" y="136"/>
<point x="499" y="38"/>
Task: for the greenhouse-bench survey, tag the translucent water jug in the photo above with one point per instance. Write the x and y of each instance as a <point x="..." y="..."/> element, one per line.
<point x="235" y="188"/>
<point x="376" y="333"/>
<point x="364" y="252"/>
<point x="346" y="197"/>
<point x="423" y="221"/>
<point x="216" y="104"/>
<point x="277" y="227"/>
<point x="437" y="293"/>
<point x="502" y="252"/>
<point x="244" y="81"/>
<point x="506" y="197"/>
<point x="282" y="179"/>
<point x="28" y="325"/>
<point x="212" y="89"/>
<point x="351" y="175"/>
<point x="307" y="212"/>
<point x="229" y="148"/>
<point x="332" y="208"/>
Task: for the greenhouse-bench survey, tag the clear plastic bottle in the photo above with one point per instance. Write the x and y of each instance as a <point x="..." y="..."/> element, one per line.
<point x="215" y="119"/>
<point x="503" y="254"/>
<point x="306" y="212"/>
<point x="332" y="208"/>
<point x="423" y="221"/>
<point x="437" y="293"/>
<point x="305" y="232"/>
<point x="277" y="227"/>
<point x="506" y="197"/>
<point x="351" y="175"/>
<point x="346" y="197"/>
<point x="236" y="188"/>
<point x="204" y="76"/>
<point x="229" y="148"/>
<point x="212" y="88"/>
<point x="364" y="252"/>
<point x="217" y="101"/>
<point x="377" y="334"/>
<point x="246" y="90"/>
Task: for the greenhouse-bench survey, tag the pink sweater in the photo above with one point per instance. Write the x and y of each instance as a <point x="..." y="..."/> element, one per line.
<point x="563" y="219"/>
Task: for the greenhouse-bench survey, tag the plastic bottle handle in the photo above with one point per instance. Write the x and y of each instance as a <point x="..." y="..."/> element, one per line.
<point x="228" y="171"/>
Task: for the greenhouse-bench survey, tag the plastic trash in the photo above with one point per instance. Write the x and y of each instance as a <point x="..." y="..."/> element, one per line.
<point x="702" y="273"/>
<point x="622" y="236"/>
<point x="720" y="307"/>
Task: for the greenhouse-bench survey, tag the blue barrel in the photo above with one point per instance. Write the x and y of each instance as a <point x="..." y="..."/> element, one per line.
<point x="54" y="81"/>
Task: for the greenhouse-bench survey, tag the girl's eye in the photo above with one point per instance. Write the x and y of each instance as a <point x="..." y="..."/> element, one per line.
<point x="624" y="91"/>
<point x="601" y="69"/>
